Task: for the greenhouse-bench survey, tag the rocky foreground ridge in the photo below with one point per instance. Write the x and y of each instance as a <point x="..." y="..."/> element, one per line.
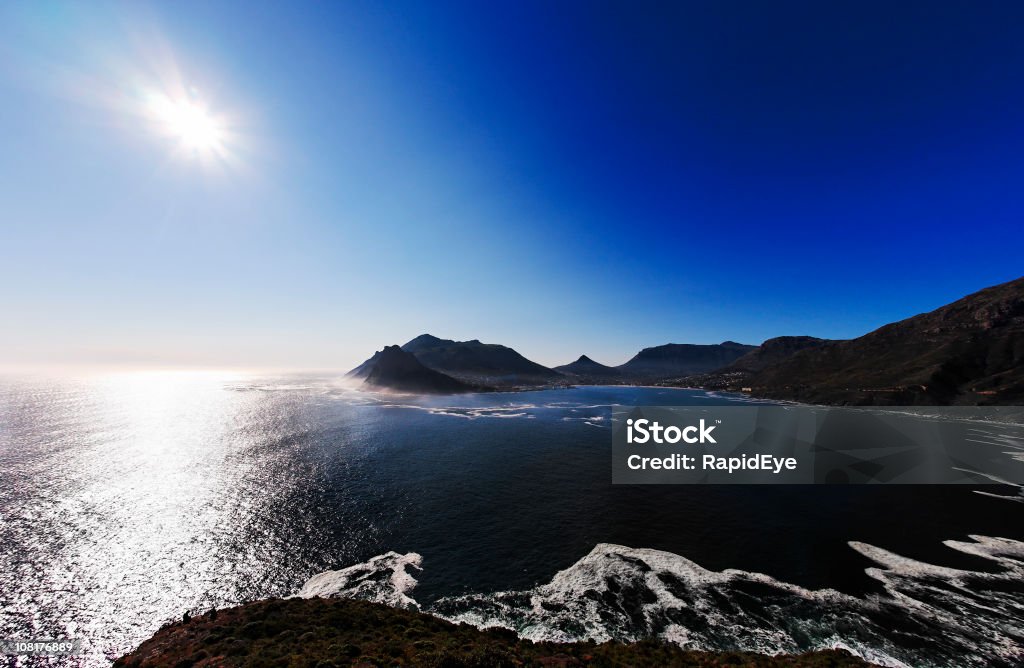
<point x="327" y="632"/>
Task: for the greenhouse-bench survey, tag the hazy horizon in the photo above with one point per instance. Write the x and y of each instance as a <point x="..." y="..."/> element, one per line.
<point x="294" y="187"/>
<point x="122" y="362"/>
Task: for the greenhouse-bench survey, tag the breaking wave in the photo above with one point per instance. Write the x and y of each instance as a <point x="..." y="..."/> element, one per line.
<point x="927" y="615"/>
<point x="383" y="579"/>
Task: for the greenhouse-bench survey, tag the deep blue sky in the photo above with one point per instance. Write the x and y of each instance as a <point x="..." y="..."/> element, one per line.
<point x="560" y="177"/>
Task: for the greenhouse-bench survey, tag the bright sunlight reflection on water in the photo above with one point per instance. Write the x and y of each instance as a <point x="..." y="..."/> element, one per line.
<point x="133" y="495"/>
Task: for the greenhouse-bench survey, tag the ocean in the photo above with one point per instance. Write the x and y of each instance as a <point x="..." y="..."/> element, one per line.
<point x="129" y="499"/>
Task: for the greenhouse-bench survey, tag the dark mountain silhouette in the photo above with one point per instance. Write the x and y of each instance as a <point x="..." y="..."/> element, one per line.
<point x="395" y="369"/>
<point x="477" y="362"/>
<point x="585" y="366"/>
<point x="364" y="369"/>
<point x="968" y="352"/>
<point x="736" y="375"/>
<point x="426" y="342"/>
<point x="772" y="352"/>
<point x="673" y="360"/>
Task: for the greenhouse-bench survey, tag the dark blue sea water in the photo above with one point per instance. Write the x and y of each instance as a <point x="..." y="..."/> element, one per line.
<point x="128" y="499"/>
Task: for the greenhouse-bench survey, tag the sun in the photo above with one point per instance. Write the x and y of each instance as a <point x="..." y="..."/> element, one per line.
<point x="190" y="123"/>
<point x="193" y="126"/>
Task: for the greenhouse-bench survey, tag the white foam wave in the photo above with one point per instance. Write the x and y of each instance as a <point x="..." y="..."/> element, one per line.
<point x="625" y="594"/>
<point x="383" y="579"/>
<point x="592" y="420"/>
<point x="928" y="615"/>
<point x="470" y="412"/>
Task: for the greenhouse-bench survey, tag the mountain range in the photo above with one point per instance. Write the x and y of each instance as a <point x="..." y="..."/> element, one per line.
<point x="968" y="352"/>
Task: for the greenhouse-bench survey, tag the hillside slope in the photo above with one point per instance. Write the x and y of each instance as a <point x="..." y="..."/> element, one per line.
<point x="773" y="351"/>
<point x="968" y="352"/>
<point x="682" y="359"/>
<point x="395" y="369"/>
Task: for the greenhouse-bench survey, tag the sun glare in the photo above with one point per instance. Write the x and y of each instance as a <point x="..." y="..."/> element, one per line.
<point x="193" y="125"/>
<point x="190" y="124"/>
